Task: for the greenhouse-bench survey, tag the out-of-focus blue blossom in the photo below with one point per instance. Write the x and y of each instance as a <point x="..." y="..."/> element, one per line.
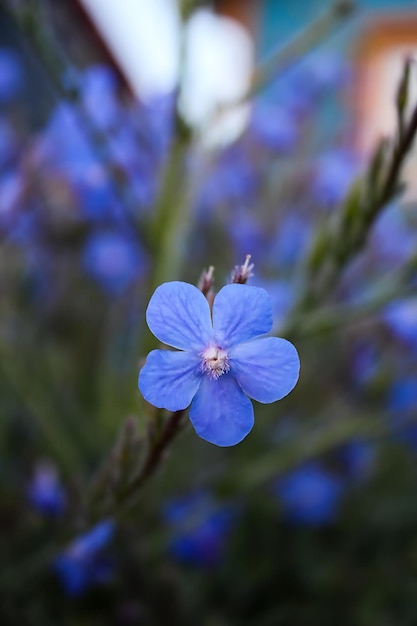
<point x="401" y="317"/>
<point x="11" y="75"/>
<point x="8" y="144"/>
<point x="199" y="529"/>
<point x="11" y="189"/>
<point x="403" y="395"/>
<point x="364" y="363"/>
<point x="310" y="495"/>
<point x="358" y="458"/>
<point x="139" y="164"/>
<point x="154" y="121"/>
<point x="246" y="233"/>
<point x="45" y="491"/>
<point x="95" y="194"/>
<point x="333" y="174"/>
<point x="301" y="85"/>
<point x="232" y="181"/>
<point x="98" y="96"/>
<point x="402" y="404"/>
<point x="113" y="260"/>
<point x="219" y="366"/>
<point x="130" y="153"/>
<point x="291" y="241"/>
<point x="84" y="562"/>
<point x="64" y="145"/>
<point x="273" y="127"/>
<point x="323" y="73"/>
<point x="392" y="240"/>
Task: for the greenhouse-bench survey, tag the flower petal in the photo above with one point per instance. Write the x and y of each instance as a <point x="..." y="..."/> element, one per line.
<point x="241" y="313"/>
<point x="179" y="315"/>
<point x="266" y="369"/>
<point x="220" y="411"/>
<point x="169" y="380"/>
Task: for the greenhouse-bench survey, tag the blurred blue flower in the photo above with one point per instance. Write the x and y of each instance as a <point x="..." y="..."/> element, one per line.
<point x="301" y="85"/>
<point x="291" y="241"/>
<point x="310" y="495"/>
<point x="402" y="405"/>
<point x="364" y="362"/>
<point x="333" y="174"/>
<point x="12" y="185"/>
<point x="45" y="491"/>
<point x="113" y="260"/>
<point x="11" y="75"/>
<point x="84" y="563"/>
<point x="98" y="95"/>
<point x="200" y="528"/>
<point x="233" y="181"/>
<point x="246" y="233"/>
<point x="402" y="397"/>
<point x="392" y="240"/>
<point x="218" y="366"/>
<point x="154" y="121"/>
<point x="95" y="193"/>
<point x="273" y="127"/>
<point x="358" y="458"/>
<point x="323" y="73"/>
<point x="63" y="145"/>
<point x="401" y="317"/>
<point x="8" y="143"/>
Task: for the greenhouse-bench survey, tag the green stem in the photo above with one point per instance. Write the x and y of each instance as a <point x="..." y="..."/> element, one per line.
<point x="172" y="220"/>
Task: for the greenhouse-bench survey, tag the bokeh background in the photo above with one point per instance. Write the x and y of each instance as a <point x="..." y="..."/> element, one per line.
<point x="147" y="140"/>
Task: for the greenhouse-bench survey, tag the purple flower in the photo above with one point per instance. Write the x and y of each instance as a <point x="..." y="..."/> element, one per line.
<point x="218" y="365"/>
<point x="84" y="563"/>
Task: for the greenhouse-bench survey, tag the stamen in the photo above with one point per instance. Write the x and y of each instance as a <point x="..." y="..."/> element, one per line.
<point x="215" y="361"/>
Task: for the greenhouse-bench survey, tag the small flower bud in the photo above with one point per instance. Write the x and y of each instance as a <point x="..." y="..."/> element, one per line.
<point x="206" y="283"/>
<point x="242" y="273"/>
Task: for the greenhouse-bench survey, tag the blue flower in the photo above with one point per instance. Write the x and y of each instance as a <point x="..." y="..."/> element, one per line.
<point x="84" y="564"/>
<point x="402" y="405"/>
<point x="310" y="495"/>
<point x="274" y="127"/>
<point x="401" y="317"/>
<point x="219" y="365"/>
<point x="358" y="458"/>
<point x="45" y="492"/>
<point x="113" y="260"/>
<point x="199" y="529"/>
<point x="11" y="75"/>
<point x="99" y="96"/>
<point x="333" y="175"/>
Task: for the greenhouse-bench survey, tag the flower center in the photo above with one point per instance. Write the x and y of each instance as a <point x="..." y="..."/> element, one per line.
<point x="215" y="361"/>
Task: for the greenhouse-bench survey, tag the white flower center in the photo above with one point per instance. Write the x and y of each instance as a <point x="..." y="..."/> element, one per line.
<point x="215" y="361"/>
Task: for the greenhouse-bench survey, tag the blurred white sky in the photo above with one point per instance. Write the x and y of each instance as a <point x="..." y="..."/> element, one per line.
<point x="144" y="37"/>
